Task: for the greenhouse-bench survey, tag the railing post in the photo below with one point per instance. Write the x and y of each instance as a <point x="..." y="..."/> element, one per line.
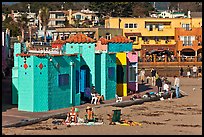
<point x="165" y="58"/>
<point x="195" y="60"/>
<point x="154" y="56"/>
<point x="179" y="59"/>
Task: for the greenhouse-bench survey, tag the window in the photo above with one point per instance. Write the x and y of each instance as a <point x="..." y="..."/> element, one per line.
<point x="186" y="26"/>
<point x="132" y="72"/>
<point x="108" y="36"/>
<point x="78" y="16"/>
<point x="133" y="38"/>
<point x="130" y="25"/>
<point x="111" y="72"/>
<point x="63" y="79"/>
<point x="187" y="40"/>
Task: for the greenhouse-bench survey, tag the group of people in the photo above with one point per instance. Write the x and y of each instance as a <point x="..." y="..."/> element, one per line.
<point x="194" y="71"/>
<point x="162" y="83"/>
<point x="73" y="116"/>
<point x="88" y="95"/>
<point x="100" y="98"/>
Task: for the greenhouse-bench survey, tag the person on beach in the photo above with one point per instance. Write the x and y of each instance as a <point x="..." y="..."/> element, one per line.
<point x="199" y="71"/>
<point x="159" y="84"/>
<point x="142" y="75"/>
<point x="194" y="71"/>
<point x="89" y="117"/>
<point x="71" y="117"/>
<point x="99" y="97"/>
<point x="167" y="89"/>
<point x="177" y="85"/>
<point x="181" y="71"/>
<point x="153" y="74"/>
<point x="188" y="71"/>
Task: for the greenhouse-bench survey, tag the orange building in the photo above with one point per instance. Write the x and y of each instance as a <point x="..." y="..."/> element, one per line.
<point x="189" y="41"/>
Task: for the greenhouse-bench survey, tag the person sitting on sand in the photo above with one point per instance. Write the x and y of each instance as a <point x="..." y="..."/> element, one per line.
<point x="167" y="89"/>
<point x="99" y="97"/>
<point x="71" y="116"/>
<point x="89" y="117"/>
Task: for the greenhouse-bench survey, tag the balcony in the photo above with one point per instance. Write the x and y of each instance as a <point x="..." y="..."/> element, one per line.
<point x="159" y="42"/>
<point x="155" y="32"/>
<point x="58" y="19"/>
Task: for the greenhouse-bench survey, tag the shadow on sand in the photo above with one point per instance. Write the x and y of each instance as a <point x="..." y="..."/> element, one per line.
<point x="143" y="88"/>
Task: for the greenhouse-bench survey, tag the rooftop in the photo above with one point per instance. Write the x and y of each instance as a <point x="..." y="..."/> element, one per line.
<point x="80" y="38"/>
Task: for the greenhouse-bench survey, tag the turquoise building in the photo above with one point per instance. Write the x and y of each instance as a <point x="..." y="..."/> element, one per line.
<point x="49" y="81"/>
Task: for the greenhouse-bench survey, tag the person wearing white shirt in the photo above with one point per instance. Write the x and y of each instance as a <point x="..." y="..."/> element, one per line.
<point x="177" y="84"/>
<point x="194" y="71"/>
<point x="166" y="88"/>
<point x="142" y="75"/>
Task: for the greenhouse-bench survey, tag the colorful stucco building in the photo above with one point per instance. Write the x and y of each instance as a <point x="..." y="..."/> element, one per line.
<point x="127" y="63"/>
<point x="189" y="41"/>
<point x="54" y="78"/>
<point x="94" y="33"/>
<point x="153" y="33"/>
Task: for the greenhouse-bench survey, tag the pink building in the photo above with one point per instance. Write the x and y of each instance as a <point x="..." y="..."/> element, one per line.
<point x="132" y="71"/>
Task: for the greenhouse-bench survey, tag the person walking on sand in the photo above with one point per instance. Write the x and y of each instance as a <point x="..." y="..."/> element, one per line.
<point x="194" y="71"/>
<point x="142" y="75"/>
<point x="177" y="85"/>
<point x="159" y="84"/>
<point x="188" y="72"/>
<point x="181" y="71"/>
<point x="153" y="74"/>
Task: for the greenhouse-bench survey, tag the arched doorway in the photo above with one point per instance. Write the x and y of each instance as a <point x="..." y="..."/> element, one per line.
<point x="188" y="52"/>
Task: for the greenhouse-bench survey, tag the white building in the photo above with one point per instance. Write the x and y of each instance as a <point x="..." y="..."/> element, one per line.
<point x="30" y="16"/>
<point x="168" y="14"/>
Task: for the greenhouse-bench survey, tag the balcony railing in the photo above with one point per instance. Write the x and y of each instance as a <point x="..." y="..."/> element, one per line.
<point x="163" y="42"/>
<point x="166" y="59"/>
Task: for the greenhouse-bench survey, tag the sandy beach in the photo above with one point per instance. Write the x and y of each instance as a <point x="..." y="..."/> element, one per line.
<point x="181" y="116"/>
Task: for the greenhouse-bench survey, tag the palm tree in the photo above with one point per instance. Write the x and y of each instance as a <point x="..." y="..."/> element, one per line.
<point x="22" y="23"/>
<point x="44" y="19"/>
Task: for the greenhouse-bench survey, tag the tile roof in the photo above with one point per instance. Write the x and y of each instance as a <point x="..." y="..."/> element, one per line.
<point x="58" y="41"/>
<point x="120" y="39"/>
<point x="80" y="38"/>
<point x="116" y="39"/>
<point x="103" y="41"/>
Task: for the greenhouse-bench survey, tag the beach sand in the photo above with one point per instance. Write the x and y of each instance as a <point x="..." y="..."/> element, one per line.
<point x="181" y="116"/>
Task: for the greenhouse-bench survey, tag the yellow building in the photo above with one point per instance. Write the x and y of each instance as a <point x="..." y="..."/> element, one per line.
<point x="152" y="33"/>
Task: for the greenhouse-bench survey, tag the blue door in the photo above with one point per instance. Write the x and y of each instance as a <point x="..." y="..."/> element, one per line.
<point x="82" y="80"/>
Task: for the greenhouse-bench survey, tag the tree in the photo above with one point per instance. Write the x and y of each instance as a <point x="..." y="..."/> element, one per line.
<point x="22" y="22"/>
<point x="12" y="26"/>
<point x="77" y="23"/>
<point x="44" y="19"/>
<point x="141" y="9"/>
<point x="185" y="6"/>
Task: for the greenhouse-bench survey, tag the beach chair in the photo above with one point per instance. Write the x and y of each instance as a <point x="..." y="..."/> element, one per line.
<point x="118" y="99"/>
<point x="116" y="115"/>
<point x="93" y="98"/>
